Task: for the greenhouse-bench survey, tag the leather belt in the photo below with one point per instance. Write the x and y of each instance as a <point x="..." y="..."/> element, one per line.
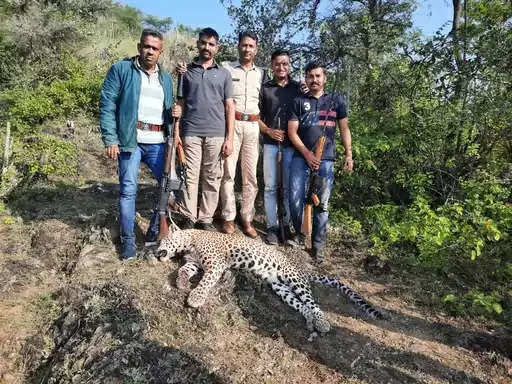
<point x="149" y="127"/>
<point x="246" y="117"/>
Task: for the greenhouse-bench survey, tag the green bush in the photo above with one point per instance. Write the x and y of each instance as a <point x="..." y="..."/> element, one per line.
<point x="28" y="108"/>
<point x="44" y="156"/>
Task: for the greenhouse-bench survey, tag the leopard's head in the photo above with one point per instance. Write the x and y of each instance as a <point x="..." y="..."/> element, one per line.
<point x="171" y="245"/>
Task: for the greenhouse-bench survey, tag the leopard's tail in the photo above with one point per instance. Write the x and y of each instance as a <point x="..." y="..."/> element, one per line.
<point x="353" y="296"/>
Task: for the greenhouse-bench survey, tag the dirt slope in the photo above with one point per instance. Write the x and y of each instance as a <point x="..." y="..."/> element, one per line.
<point x="71" y="312"/>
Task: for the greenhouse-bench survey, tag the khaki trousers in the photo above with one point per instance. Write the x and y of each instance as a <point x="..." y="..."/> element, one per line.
<point x="204" y="164"/>
<point x="245" y="146"/>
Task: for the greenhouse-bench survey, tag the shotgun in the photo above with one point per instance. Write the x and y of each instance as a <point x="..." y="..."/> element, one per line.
<point x="167" y="184"/>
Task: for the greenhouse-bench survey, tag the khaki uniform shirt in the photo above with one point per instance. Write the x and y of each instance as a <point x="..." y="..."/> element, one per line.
<point x="246" y="86"/>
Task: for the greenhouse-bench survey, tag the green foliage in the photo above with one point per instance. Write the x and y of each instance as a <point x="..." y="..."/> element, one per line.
<point x="160" y="24"/>
<point x="79" y="92"/>
<point x="475" y="303"/>
<point x="128" y="17"/>
<point x="458" y="229"/>
<point x="44" y="156"/>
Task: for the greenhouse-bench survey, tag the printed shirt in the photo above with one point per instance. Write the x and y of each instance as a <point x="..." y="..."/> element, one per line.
<point x="275" y="101"/>
<point x="246" y="86"/>
<point x="205" y="92"/>
<point x="313" y="114"/>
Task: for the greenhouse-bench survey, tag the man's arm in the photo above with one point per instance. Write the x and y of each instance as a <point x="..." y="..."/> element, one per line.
<point x="293" y="127"/>
<point x="110" y="91"/>
<point x="227" y="147"/>
<point x="346" y="140"/>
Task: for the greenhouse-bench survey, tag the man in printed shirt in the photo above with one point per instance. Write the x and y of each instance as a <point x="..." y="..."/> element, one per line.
<point x="308" y="116"/>
<point x="135" y="104"/>
<point x="247" y="80"/>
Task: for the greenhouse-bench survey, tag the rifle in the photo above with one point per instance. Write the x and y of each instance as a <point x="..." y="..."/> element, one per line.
<point x="315" y="181"/>
<point x="166" y="183"/>
<point x="280" y="195"/>
<point x="182" y="166"/>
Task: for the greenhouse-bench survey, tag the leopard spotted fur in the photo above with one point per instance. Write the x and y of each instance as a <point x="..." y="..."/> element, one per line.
<point x="216" y="252"/>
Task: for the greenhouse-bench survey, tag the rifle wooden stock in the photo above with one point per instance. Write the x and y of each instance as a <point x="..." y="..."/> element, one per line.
<point x="319" y="151"/>
<point x="307" y="219"/>
<point x="180" y="153"/>
<point x="312" y="199"/>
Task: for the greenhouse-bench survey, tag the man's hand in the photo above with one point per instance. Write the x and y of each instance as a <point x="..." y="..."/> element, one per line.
<point x="176" y="111"/>
<point x="276" y="134"/>
<point x="227" y="147"/>
<point x="112" y="151"/>
<point x="312" y="161"/>
<point x="349" y="164"/>
<point x="181" y="68"/>
<point x="303" y="88"/>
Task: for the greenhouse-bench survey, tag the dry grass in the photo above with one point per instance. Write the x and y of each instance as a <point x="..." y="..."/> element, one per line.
<point x="70" y="311"/>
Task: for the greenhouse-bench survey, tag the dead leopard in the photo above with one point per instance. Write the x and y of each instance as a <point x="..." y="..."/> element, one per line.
<point x="215" y="252"/>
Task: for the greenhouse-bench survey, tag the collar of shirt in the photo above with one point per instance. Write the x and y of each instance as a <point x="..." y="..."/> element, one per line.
<point x="274" y="83"/>
<point x="324" y="95"/>
<point x="237" y="64"/>
<point x="196" y="63"/>
<point x="140" y="68"/>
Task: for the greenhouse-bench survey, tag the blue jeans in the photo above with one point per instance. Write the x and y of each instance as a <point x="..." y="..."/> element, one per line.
<point x="299" y="177"/>
<point x="271" y="188"/>
<point x="129" y="162"/>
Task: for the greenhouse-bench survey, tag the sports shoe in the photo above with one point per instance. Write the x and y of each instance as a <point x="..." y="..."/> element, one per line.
<point x="128" y="250"/>
<point x="206" y="227"/>
<point x="271" y="237"/>
<point x="298" y="240"/>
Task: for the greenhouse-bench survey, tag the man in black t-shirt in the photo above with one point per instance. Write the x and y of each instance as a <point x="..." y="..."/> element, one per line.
<point x="311" y="116"/>
<point x="275" y="97"/>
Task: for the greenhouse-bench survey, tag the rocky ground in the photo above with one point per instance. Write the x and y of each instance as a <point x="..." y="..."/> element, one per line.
<point x="71" y="312"/>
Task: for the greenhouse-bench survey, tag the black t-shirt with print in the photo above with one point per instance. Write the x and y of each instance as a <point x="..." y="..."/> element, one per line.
<point x="313" y="114"/>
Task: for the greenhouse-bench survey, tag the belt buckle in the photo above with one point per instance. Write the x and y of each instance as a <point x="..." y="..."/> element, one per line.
<point x="146" y="126"/>
<point x="245" y="117"/>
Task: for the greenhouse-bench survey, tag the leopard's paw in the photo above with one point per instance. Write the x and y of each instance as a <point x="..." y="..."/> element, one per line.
<point x="183" y="281"/>
<point x="322" y="325"/>
<point x="195" y="299"/>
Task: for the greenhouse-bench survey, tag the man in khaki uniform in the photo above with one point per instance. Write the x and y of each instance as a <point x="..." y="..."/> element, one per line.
<point x="247" y="80"/>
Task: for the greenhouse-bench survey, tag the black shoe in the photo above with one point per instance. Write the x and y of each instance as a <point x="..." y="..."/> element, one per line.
<point x="318" y="255"/>
<point x="271" y="237"/>
<point x="298" y="240"/>
<point x="188" y="224"/>
<point x="151" y="237"/>
<point x="206" y="227"/>
<point x="288" y="234"/>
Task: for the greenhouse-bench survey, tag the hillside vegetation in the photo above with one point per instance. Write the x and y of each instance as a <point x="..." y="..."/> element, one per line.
<point x="422" y="227"/>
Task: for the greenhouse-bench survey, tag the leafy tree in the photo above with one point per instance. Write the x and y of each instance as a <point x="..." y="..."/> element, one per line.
<point x="129" y="17"/>
<point x="160" y="24"/>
